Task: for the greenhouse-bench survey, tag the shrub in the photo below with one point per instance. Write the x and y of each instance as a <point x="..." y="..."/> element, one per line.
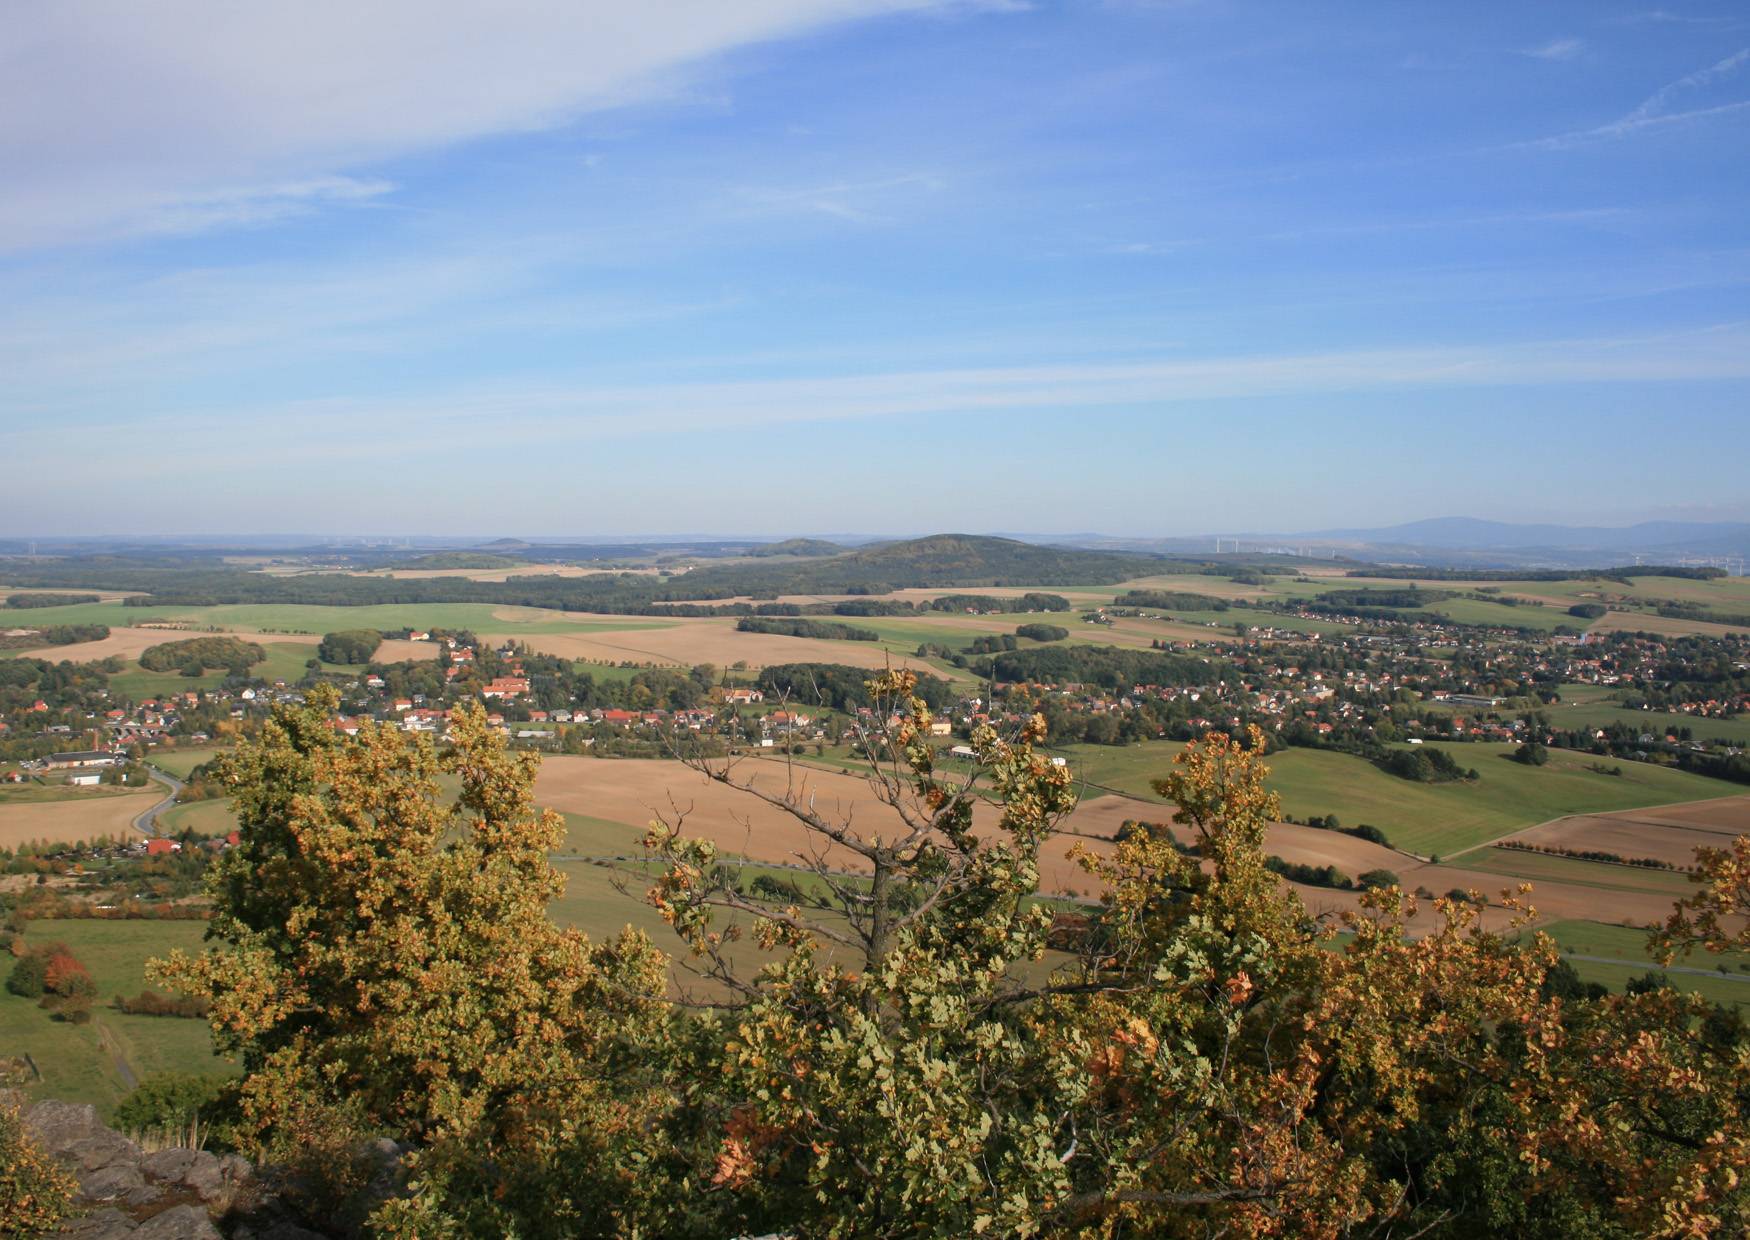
<point x="35" y="1192"/>
<point x="170" y="1102"/>
<point x="27" y="979"/>
<point x="1531" y="753"/>
<point x="1376" y="879"/>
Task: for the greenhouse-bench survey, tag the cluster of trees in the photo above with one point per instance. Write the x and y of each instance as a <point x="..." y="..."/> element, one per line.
<point x="1170" y="600"/>
<point x="991" y="603"/>
<point x="1588" y="611"/>
<point x="349" y="646"/>
<point x="883" y="1056"/>
<point x="993" y="643"/>
<point x="1042" y="632"/>
<point x="825" y="629"/>
<point x="1424" y="764"/>
<point x="1110" y="667"/>
<point x="58" y="635"/>
<point x="195" y="655"/>
<point x="57" y="978"/>
<point x="49" y="599"/>
<point x="838" y="687"/>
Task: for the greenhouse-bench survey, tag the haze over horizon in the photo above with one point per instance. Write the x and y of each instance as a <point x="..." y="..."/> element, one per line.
<point x="896" y="265"/>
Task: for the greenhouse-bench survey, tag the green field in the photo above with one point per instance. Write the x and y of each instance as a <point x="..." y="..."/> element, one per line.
<point x="1621" y="955"/>
<point x="212" y="817"/>
<point x="91" y="1063"/>
<point x="285" y="661"/>
<point x="1543" y="868"/>
<point x="306" y="618"/>
<point x="181" y="761"/>
<point x="1424" y="818"/>
<point x="1599" y="714"/>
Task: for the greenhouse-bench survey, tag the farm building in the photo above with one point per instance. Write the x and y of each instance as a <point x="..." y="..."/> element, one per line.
<point x="86" y="757"/>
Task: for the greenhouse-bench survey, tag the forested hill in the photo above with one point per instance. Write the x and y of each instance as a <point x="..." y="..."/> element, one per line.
<point x="938" y="560"/>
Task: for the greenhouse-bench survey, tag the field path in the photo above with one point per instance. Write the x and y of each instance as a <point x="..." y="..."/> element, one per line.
<point x="124" y="1069"/>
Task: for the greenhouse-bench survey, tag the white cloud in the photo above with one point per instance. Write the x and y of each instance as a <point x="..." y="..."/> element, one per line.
<point x="120" y="119"/>
<point x="1555" y="49"/>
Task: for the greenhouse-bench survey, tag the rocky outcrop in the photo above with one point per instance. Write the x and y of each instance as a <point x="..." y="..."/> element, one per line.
<point x="183" y="1194"/>
<point x="171" y="1194"/>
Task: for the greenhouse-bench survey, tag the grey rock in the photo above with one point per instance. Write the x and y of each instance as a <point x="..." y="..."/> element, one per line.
<point x="110" y="1224"/>
<point x="205" y="1176"/>
<point x="144" y="1195"/>
<point x="57" y="1125"/>
<point x="179" y="1223"/>
<point x="170" y="1164"/>
<point x="237" y="1168"/>
<point x="102" y="1148"/>
<point x="108" y="1183"/>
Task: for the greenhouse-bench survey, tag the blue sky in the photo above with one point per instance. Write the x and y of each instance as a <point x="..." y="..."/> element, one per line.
<point x="805" y="265"/>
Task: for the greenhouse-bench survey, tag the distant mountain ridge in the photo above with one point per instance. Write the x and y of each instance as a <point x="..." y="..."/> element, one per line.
<point x="1477" y="534"/>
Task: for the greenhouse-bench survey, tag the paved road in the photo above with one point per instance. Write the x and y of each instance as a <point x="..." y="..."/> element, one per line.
<point x="147" y="821"/>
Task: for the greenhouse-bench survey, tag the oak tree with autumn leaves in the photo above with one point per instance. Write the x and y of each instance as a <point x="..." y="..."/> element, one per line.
<point x="903" y="1039"/>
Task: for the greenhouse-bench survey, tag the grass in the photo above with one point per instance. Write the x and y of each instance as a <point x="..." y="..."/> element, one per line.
<point x="79" y="1062"/>
<point x="1543" y="868"/>
<point x="1624" y="950"/>
<point x="202" y="817"/>
<point x="1424" y="818"/>
<point x="268" y="618"/>
<point x="1599" y="714"/>
<point x="36" y="794"/>
<point x="181" y="762"/>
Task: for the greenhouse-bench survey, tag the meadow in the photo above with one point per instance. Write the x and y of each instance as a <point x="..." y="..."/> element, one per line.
<point x="100" y="1061"/>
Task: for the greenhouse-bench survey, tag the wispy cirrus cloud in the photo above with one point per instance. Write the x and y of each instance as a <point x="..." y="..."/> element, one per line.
<point x="555" y="415"/>
<point x="1555" y="49"/>
<point x="1667" y="106"/>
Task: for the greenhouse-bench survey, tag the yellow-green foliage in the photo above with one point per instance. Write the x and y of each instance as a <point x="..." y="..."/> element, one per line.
<point x="35" y="1191"/>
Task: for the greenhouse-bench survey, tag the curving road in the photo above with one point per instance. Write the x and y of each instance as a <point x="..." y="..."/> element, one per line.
<point x="146" y="823"/>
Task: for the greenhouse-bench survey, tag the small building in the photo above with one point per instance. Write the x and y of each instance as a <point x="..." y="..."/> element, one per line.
<point x="159" y="846"/>
<point x="85" y="779"/>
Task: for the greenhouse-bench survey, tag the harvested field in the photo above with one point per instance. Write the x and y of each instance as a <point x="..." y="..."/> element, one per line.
<point x="69" y="821"/>
<point x="1665" y="832"/>
<point x="400" y="651"/>
<point x="634" y="791"/>
<point x="691" y="642"/>
<point x="130" y="642"/>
